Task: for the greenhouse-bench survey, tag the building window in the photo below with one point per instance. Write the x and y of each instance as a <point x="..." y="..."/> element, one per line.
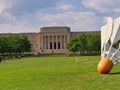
<point x="58" y="45"/>
<point x="54" y="45"/>
<point x="50" y="45"/>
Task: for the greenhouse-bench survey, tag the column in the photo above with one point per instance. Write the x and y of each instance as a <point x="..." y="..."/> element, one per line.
<point x="64" y="41"/>
<point x="68" y="37"/>
<point x="60" y="41"/>
<point x="52" y="42"/>
<point x="44" y="42"/>
<point x="41" y="42"/>
<point x="56" y="41"/>
<point x="48" y="42"/>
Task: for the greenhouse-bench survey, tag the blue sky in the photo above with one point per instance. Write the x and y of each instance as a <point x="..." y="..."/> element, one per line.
<point x="30" y="15"/>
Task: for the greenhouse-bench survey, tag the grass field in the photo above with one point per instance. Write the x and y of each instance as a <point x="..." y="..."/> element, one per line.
<point x="57" y="73"/>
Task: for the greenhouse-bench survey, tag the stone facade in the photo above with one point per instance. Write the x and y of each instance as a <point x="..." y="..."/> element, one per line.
<point x="49" y="39"/>
<point x="54" y="39"/>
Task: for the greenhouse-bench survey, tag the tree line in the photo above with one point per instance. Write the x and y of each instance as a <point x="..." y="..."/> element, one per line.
<point x="13" y="45"/>
<point x="85" y="43"/>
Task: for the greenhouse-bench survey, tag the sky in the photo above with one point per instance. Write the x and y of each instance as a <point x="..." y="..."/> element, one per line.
<point x="19" y="16"/>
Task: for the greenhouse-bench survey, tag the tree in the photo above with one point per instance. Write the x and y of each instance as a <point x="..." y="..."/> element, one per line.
<point x="23" y="45"/>
<point x="93" y="42"/>
<point x="82" y="42"/>
<point x="85" y="42"/>
<point x="13" y="44"/>
<point x="73" y="44"/>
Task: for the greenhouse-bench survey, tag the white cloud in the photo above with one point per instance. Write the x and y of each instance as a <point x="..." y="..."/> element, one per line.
<point x="4" y="5"/>
<point x="116" y="10"/>
<point x="9" y="17"/>
<point x="76" y="20"/>
<point x="63" y="6"/>
<point x="16" y="28"/>
<point x="102" y="5"/>
<point x="28" y="22"/>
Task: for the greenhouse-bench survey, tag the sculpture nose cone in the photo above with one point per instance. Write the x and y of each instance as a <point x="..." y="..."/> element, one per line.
<point x="104" y="66"/>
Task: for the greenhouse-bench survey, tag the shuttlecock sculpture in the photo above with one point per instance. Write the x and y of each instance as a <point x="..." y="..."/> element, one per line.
<point x="110" y="45"/>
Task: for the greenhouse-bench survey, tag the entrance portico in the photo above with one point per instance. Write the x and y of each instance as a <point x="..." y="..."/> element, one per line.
<point x="54" y="39"/>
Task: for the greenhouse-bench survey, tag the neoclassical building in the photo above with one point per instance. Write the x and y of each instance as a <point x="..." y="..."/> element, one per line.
<point x="50" y="39"/>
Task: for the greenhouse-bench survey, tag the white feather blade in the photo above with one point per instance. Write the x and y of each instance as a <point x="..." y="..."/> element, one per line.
<point x="116" y="31"/>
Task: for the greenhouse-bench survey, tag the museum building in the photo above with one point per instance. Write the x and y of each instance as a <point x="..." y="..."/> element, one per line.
<point x="50" y="39"/>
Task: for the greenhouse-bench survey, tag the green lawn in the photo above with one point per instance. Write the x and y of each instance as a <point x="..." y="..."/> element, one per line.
<point x="57" y="73"/>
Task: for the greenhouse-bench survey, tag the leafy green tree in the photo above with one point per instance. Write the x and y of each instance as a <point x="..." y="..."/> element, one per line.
<point x="84" y="42"/>
<point x="23" y="45"/>
<point x="73" y="44"/>
<point x="14" y="44"/>
<point x="93" y="42"/>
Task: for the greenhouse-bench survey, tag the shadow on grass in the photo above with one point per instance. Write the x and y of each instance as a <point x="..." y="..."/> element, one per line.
<point x="114" y="73"/>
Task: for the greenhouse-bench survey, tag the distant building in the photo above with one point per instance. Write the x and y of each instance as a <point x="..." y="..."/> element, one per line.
<point x="50" y="39"/>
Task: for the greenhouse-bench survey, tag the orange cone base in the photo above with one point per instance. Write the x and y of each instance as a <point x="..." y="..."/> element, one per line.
<point x="104" y="66"/>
